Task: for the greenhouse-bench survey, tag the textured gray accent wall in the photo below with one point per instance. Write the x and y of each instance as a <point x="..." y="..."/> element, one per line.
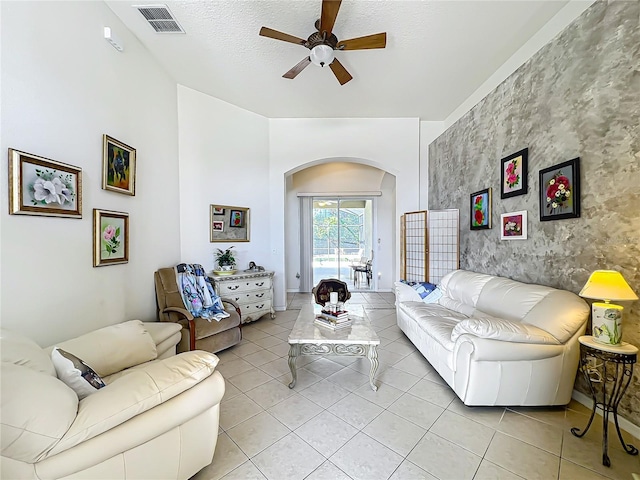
<point x="579" y="96"/>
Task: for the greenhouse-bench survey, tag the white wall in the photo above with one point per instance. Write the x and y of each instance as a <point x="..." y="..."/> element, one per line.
<point x="223" y="160"/>
<point x="63" y="87"/>
<point x="342" y="178"/>
<point x="388" y="144"/>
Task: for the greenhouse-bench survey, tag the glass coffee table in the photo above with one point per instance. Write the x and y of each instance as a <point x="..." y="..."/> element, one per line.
<point x="359" y="339"/>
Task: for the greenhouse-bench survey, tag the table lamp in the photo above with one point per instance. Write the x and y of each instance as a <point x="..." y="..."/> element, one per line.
<point x="606" y="318"/>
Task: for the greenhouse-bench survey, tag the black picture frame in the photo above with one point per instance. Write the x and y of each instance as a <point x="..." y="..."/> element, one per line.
<point x="519" y="162"/>
<point x="480" y="202"/>
<point x="559" y="194"/>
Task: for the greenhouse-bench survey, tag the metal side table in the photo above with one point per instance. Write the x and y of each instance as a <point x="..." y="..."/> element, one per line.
<point x="608" y="380"/>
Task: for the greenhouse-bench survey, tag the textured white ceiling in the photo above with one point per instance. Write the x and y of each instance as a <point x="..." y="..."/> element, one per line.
<point x="437" y="54"/>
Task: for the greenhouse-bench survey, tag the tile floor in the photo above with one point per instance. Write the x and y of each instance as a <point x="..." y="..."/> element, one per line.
<point x="332" y="426"/>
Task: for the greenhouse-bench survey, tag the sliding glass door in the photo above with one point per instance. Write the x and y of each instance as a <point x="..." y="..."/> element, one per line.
<point x="342" y="240"/>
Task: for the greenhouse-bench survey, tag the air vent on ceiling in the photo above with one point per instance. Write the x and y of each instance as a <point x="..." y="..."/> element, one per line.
<point x="160" y="18"/>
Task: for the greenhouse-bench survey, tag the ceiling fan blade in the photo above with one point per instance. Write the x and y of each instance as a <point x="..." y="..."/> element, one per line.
<point x="328" y="16"/>
<point x="269" y="32"/>
<point x="293" y="73"/>
<point x="340" y="72"/>
<point x="378" y="40"/>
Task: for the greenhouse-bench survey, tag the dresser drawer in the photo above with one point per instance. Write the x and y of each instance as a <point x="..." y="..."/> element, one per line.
<point x="253" y="311"/>
<point x="239" y="286"/>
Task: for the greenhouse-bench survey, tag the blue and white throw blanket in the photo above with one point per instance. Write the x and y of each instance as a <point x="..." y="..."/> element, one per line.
<point x="197" y="292"/>
<point x="429" y="293"/>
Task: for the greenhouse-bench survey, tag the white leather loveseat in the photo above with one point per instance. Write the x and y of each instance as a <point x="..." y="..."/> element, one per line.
<point x="157" y="416"/>
<point x="496" y="341"/>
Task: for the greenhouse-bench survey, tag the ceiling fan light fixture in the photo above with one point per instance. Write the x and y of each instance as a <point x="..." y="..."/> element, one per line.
<point x="322" y="55"/>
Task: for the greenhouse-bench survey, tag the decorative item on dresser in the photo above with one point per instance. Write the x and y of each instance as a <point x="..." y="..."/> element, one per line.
<point x="252" y="291"/>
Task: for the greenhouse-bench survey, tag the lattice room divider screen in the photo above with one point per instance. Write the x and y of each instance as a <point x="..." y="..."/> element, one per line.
<point x="429" y="244"/>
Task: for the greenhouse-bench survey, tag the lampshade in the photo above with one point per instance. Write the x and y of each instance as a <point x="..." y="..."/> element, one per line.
<point x="607" y="285"/>
<point x="321" y="55"/>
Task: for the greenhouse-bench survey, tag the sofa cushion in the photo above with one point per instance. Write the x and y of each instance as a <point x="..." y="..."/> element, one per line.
<point x="75" y="373"/>
<point x="20" y="350"/>
<point x="560" y="313"/>
<point x="136" y="392"/>
<point x="113" y="348"/>
<point x="501" y="329"/>
<point x="461" y="289"/>
<point x="37" y="410"/>
<point x="506" y="298"/>
<point x="435" y="320"/>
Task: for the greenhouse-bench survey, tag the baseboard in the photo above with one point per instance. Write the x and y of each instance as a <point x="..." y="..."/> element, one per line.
<point x="623" y="422"/>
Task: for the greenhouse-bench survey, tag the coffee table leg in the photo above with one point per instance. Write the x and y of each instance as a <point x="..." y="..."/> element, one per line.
<point x="372" y="355"/>
<point x="293" y="354"/>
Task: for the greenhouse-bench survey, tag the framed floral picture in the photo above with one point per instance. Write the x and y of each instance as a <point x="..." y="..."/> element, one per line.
<point x="480" y="210"/>
<point x="40" y="186"/>
<point x="560" y="191"/>
<point x="513" y="225"/>
<point x="110" y="237"/>
<point x="118" y="166"/>
<point x="513" y="174"/>
<point x="228" y="224"/>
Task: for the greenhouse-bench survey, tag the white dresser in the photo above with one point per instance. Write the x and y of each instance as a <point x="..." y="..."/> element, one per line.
<point x="253" y="291"/>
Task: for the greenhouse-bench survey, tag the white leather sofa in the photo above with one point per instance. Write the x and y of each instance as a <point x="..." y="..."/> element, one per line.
<point x="496" y="341"/>
<point x="157" y="416"/>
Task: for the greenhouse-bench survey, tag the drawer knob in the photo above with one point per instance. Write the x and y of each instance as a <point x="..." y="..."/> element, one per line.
<point x="259" y="295"/>
<point x="259" y="284"/>
<point x="233" y="287"/>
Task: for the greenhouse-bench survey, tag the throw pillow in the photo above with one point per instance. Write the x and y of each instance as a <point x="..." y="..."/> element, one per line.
<point x="429" y="293"/>
<point x="75" y="373"/>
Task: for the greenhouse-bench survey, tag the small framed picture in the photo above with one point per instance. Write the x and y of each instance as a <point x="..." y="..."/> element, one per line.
<point x="236" y="218"/>
<point x="480" y="210"/>
<point x="228" y="224"/>
<point x="513" y="225"/>
<point x="217" y="226"/>
<point x="110" y="237"/>
<point x="118" y="166"/>
<point x="513" y="174"/>
<point x="560" y="191"/>
<point x="39" y="186"/>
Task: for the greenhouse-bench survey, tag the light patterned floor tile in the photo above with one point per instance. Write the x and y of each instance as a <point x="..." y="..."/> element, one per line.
<point x="304" y="379"/>
<point x="257" y="433"/>
<point x="288" y="459"/>
<point x="326" y="433"/>
<point x="226" y="458"/>
<point x="249" y="380"/>
<point x="246" y="471"/>
<point x="538" y="434"/>
<point x="432" y="392"/>
<point x="415" y="364"/>
<point x="268" y="341"/>
<point x="270" y="393"/>
<point x="444" y="459"/>
<point x="276" y="368"/>
<point x="397" y="378"/>
<point x="522" y="458"/>
<point x="324" y="393"/>
<point x="295" y="411"/>
<point x="227" y="355"/>
<point x="328" y="471"/>
<point x="348" y="379"/>
<point x="463" y="431"/>
<point x="362" y="458"/>
<point x="571" y="471"/>
<point x="234" y="367"/>
<point x="552" y="415"/>
<point x="489" y="416"/>
<point x="356" y="411"/>
<point x="324" y="367"/>
<point x="230" y="391"/>
<point x="261" y="357"/>
<point x="392" y="333"/>
<point x="237" y="410"/>
<point x="400" y="348"/>
<point x="384" y="396"/>
<point x="394" y="432"/>
<point x="253" y="334"/>
<point x="281" y="349"/>
<point x="416" y="410"/>
<point x="491" y="471"/>
<point x="410" y="471"/>
<point x="246" y="348"/>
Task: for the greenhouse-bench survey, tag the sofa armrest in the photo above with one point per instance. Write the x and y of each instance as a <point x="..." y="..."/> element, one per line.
<point x="182" y="311"/>
<point x="405" y="293"/>
<point x="135" y="393"/>
<point x="166" y="335"/>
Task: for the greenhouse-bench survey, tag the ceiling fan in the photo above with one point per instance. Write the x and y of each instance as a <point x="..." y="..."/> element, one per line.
<point x="323" y="43"/>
